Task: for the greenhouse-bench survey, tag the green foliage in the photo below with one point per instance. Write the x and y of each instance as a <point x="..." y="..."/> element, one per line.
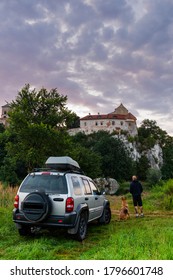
<point x="149" y="134"/>
<point x="168" y="195"/>
<point x="37" y="129"/>
<point x="142" y="166"/>
<point x="2" y="128"/>
<point x="131" y="139"/>
<point x="37" y="107"/>
<point x="114" y="158"/>
<point x="167" y="168"/>
<point x="168" y="187"/>
<point x="9" y="167"/>
<point x="72" y="120"/>
<point x="81" y="138"/>
<point x="163" y="194"/>
<point x="153" y="176"/>
<point x="13" y="170"/>
<point x="124" y="188"/>
<point x="35" y="143"/>
<point x="89" y="161"/>
<point x="3" y="140"/>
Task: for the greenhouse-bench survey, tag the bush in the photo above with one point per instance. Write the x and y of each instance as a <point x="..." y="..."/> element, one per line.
<point x="162" y="194"/>
<point x="169" y="187"/>
<point x="124" y="188"/>
<point x="153" y="176"/>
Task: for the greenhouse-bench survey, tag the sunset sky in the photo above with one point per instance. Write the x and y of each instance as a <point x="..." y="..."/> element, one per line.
<point x="99" y="53"/>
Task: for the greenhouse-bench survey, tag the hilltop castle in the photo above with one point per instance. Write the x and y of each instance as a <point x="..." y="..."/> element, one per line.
<point x="119" y="120"/>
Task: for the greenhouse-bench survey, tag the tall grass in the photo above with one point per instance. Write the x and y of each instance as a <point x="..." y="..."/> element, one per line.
<point x="162" y="195"/>
<point x="7" y="195"/>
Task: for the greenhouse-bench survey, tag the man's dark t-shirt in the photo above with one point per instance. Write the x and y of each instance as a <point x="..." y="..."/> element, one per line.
<point x="136" y="188"/>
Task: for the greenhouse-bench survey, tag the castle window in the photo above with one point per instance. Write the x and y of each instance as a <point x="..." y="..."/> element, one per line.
<point x="85" y="123"/>
<point x="113" y="122"/>
<point x="121" y="123"/>
<point x="101" y="123"/>
<point x="96" y="123"/>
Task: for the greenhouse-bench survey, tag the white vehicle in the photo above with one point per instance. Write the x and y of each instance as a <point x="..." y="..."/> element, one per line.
<point x="59" y="196"/>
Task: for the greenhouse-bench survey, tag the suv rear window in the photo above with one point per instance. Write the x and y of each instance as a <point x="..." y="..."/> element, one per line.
<point x="44" y="183"/>
<point x="76" y="185"/>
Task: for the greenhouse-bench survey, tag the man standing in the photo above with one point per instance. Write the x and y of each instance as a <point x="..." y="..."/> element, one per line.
<point x="136" y="190"/>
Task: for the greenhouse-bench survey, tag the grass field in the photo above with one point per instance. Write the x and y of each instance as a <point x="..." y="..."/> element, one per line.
<point x="148" y="238"/>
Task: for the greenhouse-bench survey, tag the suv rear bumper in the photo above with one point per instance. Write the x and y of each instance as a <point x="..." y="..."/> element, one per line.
<point x="68" y="220"/>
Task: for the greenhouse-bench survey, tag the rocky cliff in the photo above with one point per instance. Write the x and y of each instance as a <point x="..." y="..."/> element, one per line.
<point x="154" y="155"/>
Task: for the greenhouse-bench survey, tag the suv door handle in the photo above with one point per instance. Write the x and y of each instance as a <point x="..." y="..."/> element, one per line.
<point x="58" y="199"/>
<point x="96" y="198"/>
<point x="86" y="198"/>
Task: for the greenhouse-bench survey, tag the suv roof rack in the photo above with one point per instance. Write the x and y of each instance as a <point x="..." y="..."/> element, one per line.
<point x="40" y="169"/>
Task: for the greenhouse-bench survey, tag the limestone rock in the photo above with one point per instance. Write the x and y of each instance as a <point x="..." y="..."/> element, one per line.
<point x="107" y="185"/>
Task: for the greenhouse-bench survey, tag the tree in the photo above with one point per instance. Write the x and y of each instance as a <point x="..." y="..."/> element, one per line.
<point x="33" y="144"/>
<point x="8" y="172"/>
<point x="153" y="176"/>
<point x="167" y="167"/>
<point x="37" y="129"/>
<point x="116" y="162"/>
<point x="2" y="128"/>
<point x="72" y="121"/>
<point x="149" y="134"/>
<point x="4" y="138"/>
<point x="142" y="166"/>
<point x="89" y="161"/>
<point x="38" y="107"/>
<point x="115" y="159"/>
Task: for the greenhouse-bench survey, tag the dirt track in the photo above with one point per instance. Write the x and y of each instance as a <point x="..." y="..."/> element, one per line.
<point x="148" y="214"/>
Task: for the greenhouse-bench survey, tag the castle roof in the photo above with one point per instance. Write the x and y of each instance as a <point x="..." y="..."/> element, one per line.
<point x="120" y="113"/>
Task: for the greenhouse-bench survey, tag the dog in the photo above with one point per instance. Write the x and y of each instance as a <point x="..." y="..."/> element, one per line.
<point x="124" y="211"/>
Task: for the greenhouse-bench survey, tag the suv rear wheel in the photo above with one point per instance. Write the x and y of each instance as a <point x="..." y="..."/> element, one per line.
<point x="82" y="227"/>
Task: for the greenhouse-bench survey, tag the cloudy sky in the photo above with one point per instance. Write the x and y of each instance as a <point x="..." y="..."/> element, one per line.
<point x="99" y="53"/>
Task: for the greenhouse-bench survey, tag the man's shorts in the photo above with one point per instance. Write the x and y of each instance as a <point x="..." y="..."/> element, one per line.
<point x="137" y="200"/>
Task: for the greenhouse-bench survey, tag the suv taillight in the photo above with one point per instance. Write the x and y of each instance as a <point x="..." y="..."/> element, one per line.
<point x="69" y="204"/>
<point x="16" y="201"/>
